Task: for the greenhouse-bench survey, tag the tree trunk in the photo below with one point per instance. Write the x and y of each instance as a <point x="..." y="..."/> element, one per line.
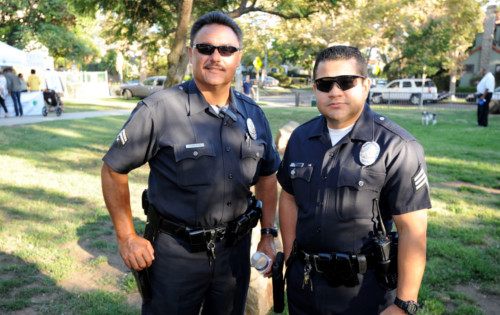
<point x="453" y="82"/>
<point x="143" y="67"/>
<point x="177" y="58"/>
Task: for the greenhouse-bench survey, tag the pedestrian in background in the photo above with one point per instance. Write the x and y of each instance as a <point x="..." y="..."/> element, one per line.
<point x="22" y="82"/>
<point x="485" y="89"/>
<point x="346" y="176"/>
<point x="248" y="87"/>
<point x="3" y="92"/>
<point x="206" y="145"/>
<point x="33" y="81"/>
<point x="14" y="88"/>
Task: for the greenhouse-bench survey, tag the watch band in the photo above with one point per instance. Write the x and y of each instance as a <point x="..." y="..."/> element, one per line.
<point x="410" y="307"/>
<point x="272" y="231"/>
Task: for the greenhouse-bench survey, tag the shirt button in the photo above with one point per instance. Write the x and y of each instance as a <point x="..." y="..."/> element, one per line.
<point x="292" y="172"/>
<point x="361" y="183"/>
<point x="331" y="153"/>
<point x="381" y="118"/>
<point x="230" y="176"/>
<point x="324" y="177"/>
<point x="195" y="153"/>
<point x="257" y="154"/>
<point x="228" y="149"/>
<point x="229" y="203"/>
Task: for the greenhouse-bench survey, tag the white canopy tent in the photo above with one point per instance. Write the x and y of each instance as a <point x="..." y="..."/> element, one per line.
<point x="11" y="56"/>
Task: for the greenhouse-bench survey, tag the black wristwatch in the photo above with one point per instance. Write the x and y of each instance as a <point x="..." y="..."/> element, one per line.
<point x="410" y="307"/>
<point x="272" y="231"/>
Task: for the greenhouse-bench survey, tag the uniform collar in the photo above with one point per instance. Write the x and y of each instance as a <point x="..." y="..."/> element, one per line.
<point x="363" y="128"/>
<point x="198" y="103"/>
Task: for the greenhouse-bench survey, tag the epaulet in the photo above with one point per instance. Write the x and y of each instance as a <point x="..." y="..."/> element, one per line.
<point x="242" y="97"/>
<point x="393" y="127"/>
<point x="165" y="94"/>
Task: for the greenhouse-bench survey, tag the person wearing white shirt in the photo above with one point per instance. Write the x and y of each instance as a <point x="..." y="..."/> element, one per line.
<point x="3" y="93"/>
<point x="485" y="89"/>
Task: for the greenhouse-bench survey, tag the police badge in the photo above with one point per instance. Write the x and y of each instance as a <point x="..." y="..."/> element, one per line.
<point x="251" y="129"/>
<point x="369" y="153"/>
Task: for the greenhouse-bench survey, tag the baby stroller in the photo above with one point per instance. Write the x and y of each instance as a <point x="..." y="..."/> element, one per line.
<point x="52" y="103"/>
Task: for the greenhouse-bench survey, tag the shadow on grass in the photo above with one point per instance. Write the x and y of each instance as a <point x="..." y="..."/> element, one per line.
<point x="24" y="289"/>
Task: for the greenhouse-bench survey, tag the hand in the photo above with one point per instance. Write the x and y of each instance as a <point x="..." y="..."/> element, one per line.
<point x="266" y="245"/>
<point x="137" y="252"/>
<point x="393" y="310"/>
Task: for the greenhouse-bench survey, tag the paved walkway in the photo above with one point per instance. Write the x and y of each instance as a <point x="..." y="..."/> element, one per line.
<point x="12" y="121"/>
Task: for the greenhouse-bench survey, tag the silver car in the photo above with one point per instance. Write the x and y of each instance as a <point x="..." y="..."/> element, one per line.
<point x="143" y="89"/>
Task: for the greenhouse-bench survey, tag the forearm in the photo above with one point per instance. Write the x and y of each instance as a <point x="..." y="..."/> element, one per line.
<point x="117" y="198"/>
<point x="266" y="191"/>
<point x="288" y="221"/>
<point x="411" y="253"/>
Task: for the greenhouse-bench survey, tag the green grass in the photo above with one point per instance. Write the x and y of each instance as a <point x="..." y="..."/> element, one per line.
<point x="54" y="226"/>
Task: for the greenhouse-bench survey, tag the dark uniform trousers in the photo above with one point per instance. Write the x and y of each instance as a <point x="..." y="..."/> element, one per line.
<point x="183" y="282"/>
<point x="483" y="111"/>
<point x="334" y="300"/>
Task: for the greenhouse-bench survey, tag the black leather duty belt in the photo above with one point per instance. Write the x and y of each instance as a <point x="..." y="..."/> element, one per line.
<point x="334" y="262"/>
<point x="197" y="238"/>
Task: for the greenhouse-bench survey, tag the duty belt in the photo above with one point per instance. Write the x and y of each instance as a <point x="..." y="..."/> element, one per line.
<point x="337" y="268"/>
<point x="327" y="262"/>
<point x="197" y="238"/>
<point x="204" y="238"/>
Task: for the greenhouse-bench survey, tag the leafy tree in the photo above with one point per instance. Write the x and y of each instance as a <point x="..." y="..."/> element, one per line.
<point x="50" y="22"/>
<point x="138" y="21"/>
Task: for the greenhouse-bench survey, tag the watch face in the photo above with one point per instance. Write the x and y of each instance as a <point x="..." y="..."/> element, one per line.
<point x="412" y="308"/>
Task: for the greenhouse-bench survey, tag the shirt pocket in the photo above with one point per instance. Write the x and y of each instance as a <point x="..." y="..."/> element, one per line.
<point x="194" y="165"/>
<point x="301" y="175"/>
<point x="251" y="154"/>
<point x="356" y="189"/>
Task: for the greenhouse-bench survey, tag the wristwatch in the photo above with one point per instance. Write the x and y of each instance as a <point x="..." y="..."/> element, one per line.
<point x="272" y="231"/>
<point x="410" y="307"/>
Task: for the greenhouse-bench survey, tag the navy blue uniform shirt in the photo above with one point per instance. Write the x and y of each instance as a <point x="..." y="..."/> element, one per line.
<point x="202" y="165"/>
<point x="334" y="191"/>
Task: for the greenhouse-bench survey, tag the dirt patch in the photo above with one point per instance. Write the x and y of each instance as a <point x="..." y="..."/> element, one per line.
<point x="456" y="185"/>
<point x="105" y="276"/>
<point x="490" y="304"/>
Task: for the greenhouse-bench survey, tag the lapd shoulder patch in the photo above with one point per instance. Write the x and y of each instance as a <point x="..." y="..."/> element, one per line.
<point x="419" y="180"/>
<point x="121" y="140"/>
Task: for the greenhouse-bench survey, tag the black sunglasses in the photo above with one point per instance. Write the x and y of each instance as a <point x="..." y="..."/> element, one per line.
<point x="344" y="82"/>
<point x="224" y="50"/>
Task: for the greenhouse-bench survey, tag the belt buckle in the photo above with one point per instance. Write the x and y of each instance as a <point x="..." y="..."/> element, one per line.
<point x="196" y="237"/>
<point x="322" y="262"/>
<point x="220" y="233"/>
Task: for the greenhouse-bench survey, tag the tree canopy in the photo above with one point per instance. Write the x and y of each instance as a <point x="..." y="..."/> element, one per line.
<point x="52" y="23"/>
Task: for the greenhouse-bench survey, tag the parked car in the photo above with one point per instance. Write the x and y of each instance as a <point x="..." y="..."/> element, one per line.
<point x="405" y="90"/>
<point x="143" y="89"/>
<point x="269" y="81"/>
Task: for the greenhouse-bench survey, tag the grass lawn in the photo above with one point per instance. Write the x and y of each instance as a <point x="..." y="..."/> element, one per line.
<point x="58" y="252"/>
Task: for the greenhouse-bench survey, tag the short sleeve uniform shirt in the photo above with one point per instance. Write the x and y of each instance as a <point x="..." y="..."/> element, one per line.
<point x="202" y="165"/>
<point x="335" y="192"/>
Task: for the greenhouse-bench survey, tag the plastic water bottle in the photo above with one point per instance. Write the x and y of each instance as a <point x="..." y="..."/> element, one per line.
<point x="260" y="261"/>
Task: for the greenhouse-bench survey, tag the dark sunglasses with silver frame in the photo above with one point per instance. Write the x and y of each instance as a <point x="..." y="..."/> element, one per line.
<point x="208" y="49"/>
<point x="344" y="82"/>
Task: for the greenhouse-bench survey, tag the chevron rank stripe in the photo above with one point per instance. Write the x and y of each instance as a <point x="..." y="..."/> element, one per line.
<point x="420" y="179"/>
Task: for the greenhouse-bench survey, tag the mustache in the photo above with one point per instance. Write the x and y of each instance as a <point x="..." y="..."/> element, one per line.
<point x="215" y="65"/>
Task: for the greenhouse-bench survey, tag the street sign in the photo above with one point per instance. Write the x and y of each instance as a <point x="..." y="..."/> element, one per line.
<point x="257" y="63"/>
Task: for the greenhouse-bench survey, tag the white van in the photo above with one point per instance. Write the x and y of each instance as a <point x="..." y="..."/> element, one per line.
<point x="405" y="90"/>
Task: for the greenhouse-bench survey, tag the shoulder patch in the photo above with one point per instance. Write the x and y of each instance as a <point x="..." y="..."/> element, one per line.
<point x="121" y="140"/>
<point x="419" y="180"/>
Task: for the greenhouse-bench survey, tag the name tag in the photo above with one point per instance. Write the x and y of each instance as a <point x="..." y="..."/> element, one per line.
<point x="195" y="145"/>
